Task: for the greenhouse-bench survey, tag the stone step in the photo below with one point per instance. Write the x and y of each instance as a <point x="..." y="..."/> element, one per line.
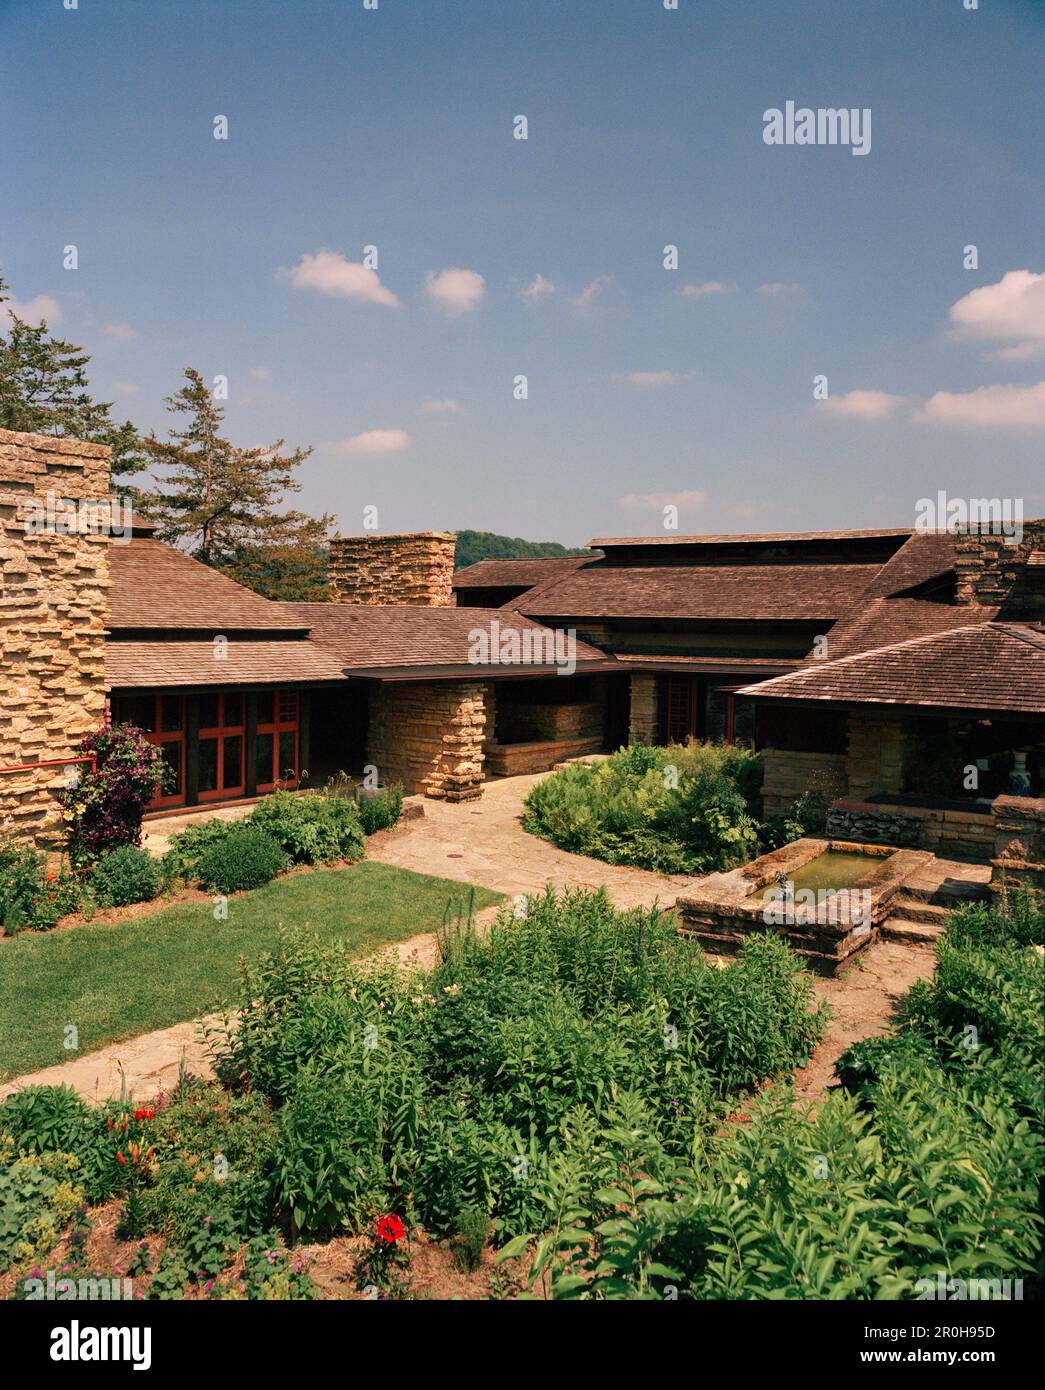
<point x="913" y="909"/>
<point x="901" y="930"/>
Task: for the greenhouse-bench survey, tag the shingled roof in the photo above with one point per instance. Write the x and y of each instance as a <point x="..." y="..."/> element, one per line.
<point x="518" y="574"/>
<point x="155" y="586"/>
<point x="377" y="640"/>
<point x="776" y="592"/>
<point x="147" y="665"/>
<point x="987" y="666"/>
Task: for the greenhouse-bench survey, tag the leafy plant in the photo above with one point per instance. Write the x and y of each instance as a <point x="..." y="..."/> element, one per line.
<point x="181" y="862"/>
<point x="105" y="808"/>
<point x="311" y="828"/>
<point x="380" y="810"/>
<point x="38" y="1197"/>
<point x="32" y="896"/>
<point x="126" y="875"/>
<point x="246" y="857"/>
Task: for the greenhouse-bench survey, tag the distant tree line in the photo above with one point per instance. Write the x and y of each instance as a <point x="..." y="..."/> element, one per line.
<point x="487" y="545"/>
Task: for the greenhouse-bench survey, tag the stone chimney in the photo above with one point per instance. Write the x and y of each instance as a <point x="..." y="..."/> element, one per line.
<point x="415" y="569"/>
<point x="53" y="591"/>
<point x="995" y="573"/>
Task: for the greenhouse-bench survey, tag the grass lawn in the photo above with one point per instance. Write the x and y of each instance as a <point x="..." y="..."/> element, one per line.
<point x="118" y="980"/>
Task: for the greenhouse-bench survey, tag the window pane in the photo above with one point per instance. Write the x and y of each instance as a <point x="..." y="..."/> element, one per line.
<point x="288" y="762"/>
<point x="208" y="764"/>
<point x="266" y="751"/>
<point x="288" y="706"/>
<point x="234" y="710"/>
<point x="208" y="711"/>
<point x="139" y="710"/>
<point x="172" y="757"/>
<point x="232" y="762"/>
<point x="265" y="706"/>
<point x="170" y="713"/>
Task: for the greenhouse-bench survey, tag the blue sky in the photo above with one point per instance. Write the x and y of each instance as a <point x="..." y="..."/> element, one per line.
<point x="394" y="128"/>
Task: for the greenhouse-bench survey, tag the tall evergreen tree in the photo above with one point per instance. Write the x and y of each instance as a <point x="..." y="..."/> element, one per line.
<point x="44" y="390"/>
<point x="222" y="502"/>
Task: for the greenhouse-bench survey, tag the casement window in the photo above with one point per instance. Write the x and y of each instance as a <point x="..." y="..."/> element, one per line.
<point x="277" y="740"/>
<point x="680" y="708"/>
<point x="222" y="745"/>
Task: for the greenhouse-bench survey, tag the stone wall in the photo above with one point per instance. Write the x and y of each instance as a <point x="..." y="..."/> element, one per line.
<point x="789" y="774"/>
<point x="429" y="736"/>
<point x="644" y="717"/>
<point x="876" y="754"/>
<point x="957" y="833"/>
<point x="52" y="622"/>
<point x="995" y="573"/>
<point x="529" y="723"/>
<point x="415" y="569"/>
<point x="1019" y="843"/>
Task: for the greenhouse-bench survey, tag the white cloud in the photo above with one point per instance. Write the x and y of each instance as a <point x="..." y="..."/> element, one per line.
<point x="777" y="289"/>
<point x="655" y="378"/>
<point x="31" y="310"/>
<point x="331" y="274"/>
<point x="657" y="501"/>
<point x="1012" y="310"/>
<point x="703" y="291"/>
<point x="537" y="289"/>
<point x="593" y="291"/>
<point x="123" y="331"/>
<point x="456" y="291"/>
<point x="864" y="405"/>
<point x="445" y="407"/>
<point x="261" y="373"/>
<point x="987" y="406"/>
<point x="369" y="442"/>
<point x="127" y="388"/>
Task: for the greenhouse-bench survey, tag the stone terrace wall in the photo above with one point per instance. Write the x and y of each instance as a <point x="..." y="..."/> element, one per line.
<point x="958" y="833"/>
<point x="429" y="736"/>
<point x="52" y="611"/>
<point x="1019" y="843"/>
<point x="415" y="569"/>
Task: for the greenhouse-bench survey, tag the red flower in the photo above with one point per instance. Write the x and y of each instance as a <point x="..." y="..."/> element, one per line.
<point x="390" y="1229"/>
<point x="146" y="1113"/>
<point x="121" y="1158"/>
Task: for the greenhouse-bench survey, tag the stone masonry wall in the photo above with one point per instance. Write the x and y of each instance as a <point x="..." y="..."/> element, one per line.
<point x="429" y="736"/>
<point x="1019" y="843"/>
<point x="52" y="622"/>
<point x="415" y="569"/>
<point x="875" y="758"/>
<point x="993" y="573"/>
<point x="644" y="719"/>
<point x="788" y="774"/>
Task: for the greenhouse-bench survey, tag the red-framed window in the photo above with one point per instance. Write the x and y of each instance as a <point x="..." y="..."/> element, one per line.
<point x="680" y="708"/>
<point x="162" y="719"/>
<point x="222" y="744"/>
<point x="279" y="715"/>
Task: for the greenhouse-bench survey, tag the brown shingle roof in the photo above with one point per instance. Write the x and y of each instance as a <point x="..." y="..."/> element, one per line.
<point x="505" y="574"/>
<point x="365" y="637"/>
<point x="925" y="555"/>
<point x="754" y="592"/>
<point x="755" y="538"/>
<point x="150" y="665"/>
<point x="156" y="586"/>
<point x="881" y="622"/>
<point x="989" y="666"/>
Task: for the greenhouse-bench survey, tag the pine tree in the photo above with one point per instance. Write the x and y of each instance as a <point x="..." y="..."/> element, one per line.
<point x="44" y="390"/>
<point x="222" y="501"/>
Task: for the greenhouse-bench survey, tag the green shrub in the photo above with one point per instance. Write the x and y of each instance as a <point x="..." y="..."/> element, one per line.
<point x="105" y="808"/>
<point x="33" y="897"/>
<point x="380" y="810"/>
<point x="1019" y="920"/>
<point x="246" y="857"/>
<point x="185" y="849"/>
<point x="311" y="828"/>
<point x="675" y="809"/>
<point x="126" y="875"/>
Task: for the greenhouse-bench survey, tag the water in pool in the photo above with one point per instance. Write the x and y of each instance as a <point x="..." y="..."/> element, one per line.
<point x="831" y="870"/>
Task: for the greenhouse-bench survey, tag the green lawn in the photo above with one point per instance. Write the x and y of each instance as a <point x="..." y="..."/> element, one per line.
<point x="118" y="980"/>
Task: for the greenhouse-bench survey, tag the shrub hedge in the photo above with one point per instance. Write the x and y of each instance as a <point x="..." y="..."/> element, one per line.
<point x="246" y="857"/>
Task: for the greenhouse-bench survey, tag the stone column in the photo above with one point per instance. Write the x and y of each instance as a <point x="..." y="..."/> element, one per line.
<point x="414" y="569"/>
<point x="644" y="718"/>
<point x="53" y="594"/>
